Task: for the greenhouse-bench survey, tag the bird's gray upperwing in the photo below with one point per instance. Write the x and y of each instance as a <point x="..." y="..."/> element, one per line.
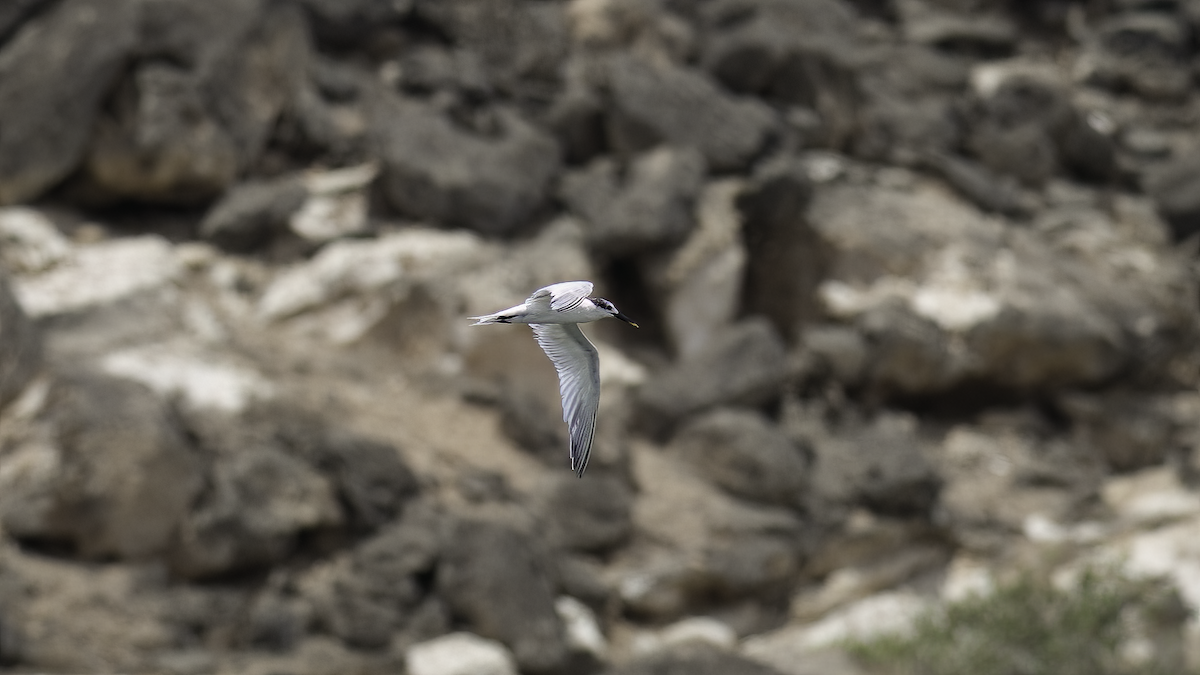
<point x="578" y="367"/>
<point x="562" y="296"/>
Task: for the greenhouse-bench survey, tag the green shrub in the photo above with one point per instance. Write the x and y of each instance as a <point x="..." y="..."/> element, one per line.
<point x="1030" y="627"/>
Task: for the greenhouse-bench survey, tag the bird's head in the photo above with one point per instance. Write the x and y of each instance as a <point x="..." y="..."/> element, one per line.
<point x="616" y="313"/>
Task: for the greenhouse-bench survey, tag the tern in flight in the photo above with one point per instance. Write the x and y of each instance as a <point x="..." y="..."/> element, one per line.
<point x="554" y="313"/>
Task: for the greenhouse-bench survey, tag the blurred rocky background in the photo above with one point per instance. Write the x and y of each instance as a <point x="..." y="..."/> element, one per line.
<point x="917" y="282"/>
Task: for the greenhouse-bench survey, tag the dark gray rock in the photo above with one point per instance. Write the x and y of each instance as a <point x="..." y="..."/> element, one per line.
<point x="183" y="127"/>
<point x="656" y="103"/>
<point x="694" y="661"/>
<point x="521" y="44"/>
<point x="744" y="364"/>
<point x="1025" y="125"/>
<point x="795" y="53"/>
<point x="258" y="502"/>
<point x="992" y="192"/>
<point x="250" y="214"/>
<point x="1175" y="189"/>
<point x="14" y="12"/>
<point x="1143" y="52"/>
<point x="368" y="595"/>
<point x="1015" y="129"/>
<point x="591" y="515"/>
<point x="534" y="424"/>
<point x="349" y="23"/>
<point x="54" y="75"/>
<point x="20" y="345"/>
<point x="263" y="492"/>
<point x="436" y="171"/>
<point x="879" y="465"/>
<point x="121" y="476"/>
<point x="493" y="579"/>
<point x="901" y="129"/>
<point x="785" y="259"/>
<point x="837" y="352"/>
<point x="1126" y="430"/>
<point x="372" y="480"/>
<point x="747" y="564"/>
<point x="577" y="117"/>
<point x="741" y="452"/>
<point x="648" y="206"/>
<point x="429" y="68"/>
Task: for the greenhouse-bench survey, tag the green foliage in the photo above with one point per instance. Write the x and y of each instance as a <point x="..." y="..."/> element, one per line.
<point x="1030" y="627"/>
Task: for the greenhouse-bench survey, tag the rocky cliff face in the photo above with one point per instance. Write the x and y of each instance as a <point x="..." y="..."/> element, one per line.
<point x="916" y="279"/>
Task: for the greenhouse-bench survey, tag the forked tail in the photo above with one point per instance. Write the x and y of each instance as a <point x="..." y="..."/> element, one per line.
<point x="499" y="317"/>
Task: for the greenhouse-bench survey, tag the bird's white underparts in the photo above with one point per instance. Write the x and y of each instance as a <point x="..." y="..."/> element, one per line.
<point x="554" y="313"/>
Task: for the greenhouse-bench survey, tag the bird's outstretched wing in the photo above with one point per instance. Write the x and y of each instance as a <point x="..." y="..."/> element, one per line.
<point x="578" y="367"/>
<point x="561" y="296"/>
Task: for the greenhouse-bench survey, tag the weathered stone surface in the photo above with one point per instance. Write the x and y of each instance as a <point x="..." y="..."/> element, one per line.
<point x="436" y="171"/>
<point x="1145" y="52"/>
<point x="13" y="13"/>
<point x="372" y="593"/>
<point x="699" y="284"/>
<point x="21" y="350"/>
<point x="647" y="208"/>
<point x="517" y="42"/>
<point x="741" y="452"/>
<point x="54" y="74"/>
<point x="699" y="660"/>
<point x="794" y="53"/>
<point x="1127" y="430"/>
<point x="746" y="364"/>
<point x="1176" y="191"/>
<point x="880" y="465"/>
<point x="950" y="274"/>
<point x="491" y="576"/>
<point x="262" y="494"/>
<point x="592" y="516"/>
<point x="785" y="259"/>
<point x="250" y="214"/>
<point x="103" y="468"/>
<point x="660" y="103"/>
<point x="182" y="133"/>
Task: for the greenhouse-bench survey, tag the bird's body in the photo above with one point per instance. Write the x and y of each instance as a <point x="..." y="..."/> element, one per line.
<point x="554" y="313"/>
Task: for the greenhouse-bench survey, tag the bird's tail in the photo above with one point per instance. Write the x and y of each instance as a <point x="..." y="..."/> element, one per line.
<point x="486" y="319"/>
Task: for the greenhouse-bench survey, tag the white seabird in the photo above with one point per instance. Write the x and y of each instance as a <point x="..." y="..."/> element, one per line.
<point x="554" y="313"/>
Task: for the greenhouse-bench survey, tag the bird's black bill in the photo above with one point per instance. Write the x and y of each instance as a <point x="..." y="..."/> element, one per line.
<point x="626" y="319"/>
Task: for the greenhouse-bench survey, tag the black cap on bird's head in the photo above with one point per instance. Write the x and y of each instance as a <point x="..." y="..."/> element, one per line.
<point x="605" y="304"/>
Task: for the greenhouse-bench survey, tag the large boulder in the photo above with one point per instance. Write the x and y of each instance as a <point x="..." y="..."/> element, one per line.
<point x="794" y="53"/>
<point x="645" y="206"/>
<point x="101" y="467"/>
<point x="54" y="75"/>
<point x="181" y="130"/>
<point x="373" y="592"/>
<point x="742" y="453"/>
<point x="746" y="364"/>
<point x="492" y="577"/>
<point x="1064" y="304"/>
<point x="653" y="103"/>
<point x="434" y="170"/>
<point x="517" y="42"/>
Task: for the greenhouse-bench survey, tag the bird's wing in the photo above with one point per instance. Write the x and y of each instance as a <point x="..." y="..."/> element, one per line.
<point x="561" y="296"/>
<point x="578" y="367"/>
